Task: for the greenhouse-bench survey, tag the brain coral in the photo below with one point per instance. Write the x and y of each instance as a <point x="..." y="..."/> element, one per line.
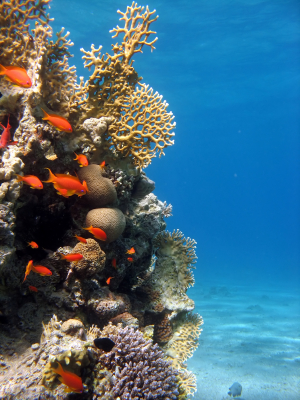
<point x="93" y="258"/>
<point x="101" y="190"/>
<point x="111" y="220"/>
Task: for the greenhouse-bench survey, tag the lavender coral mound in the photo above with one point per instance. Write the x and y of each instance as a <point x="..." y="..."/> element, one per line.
<point x="141" y="371"/>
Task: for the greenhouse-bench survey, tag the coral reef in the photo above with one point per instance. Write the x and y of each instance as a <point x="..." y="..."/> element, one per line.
<point x="138" y="298"/>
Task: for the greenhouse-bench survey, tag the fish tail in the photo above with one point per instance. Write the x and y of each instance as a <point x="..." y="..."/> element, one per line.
<point x="76" y="156"/>
<point x="87" y="229"/>
<point x="46" y="115"/>
<point x="51" y="176"/>
<point x="2" y="70"/>
<point x="58" y="369"/>
<point x="62" y="256"/>
<point x="19" y="177"/>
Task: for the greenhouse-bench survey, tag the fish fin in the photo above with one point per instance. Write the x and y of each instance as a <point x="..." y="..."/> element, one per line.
<point x="2" y="126"/>
<point x="85" y="186"/>
<point x="12" y="143"/>
<point x="51" y="176"/>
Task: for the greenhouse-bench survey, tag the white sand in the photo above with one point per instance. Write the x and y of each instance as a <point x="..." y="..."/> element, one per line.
<point x="250" y="335"/>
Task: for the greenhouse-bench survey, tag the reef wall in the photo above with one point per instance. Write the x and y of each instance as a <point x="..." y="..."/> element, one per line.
<point x="84" y="253"/>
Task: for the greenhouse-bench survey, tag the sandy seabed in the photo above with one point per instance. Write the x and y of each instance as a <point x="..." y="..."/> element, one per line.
<point x="251" y="335"/>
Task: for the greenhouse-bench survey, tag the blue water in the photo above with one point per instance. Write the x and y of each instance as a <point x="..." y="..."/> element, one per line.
<point x="230" y="71"/>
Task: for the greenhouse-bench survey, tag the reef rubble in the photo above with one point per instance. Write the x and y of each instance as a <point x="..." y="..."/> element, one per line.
<point x="85" y="254"/>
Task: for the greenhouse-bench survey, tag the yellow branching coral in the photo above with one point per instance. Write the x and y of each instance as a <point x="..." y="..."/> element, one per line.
<point x="144" y="128"/>
<point x="15" y="39"/>
<point x="184" y="342"/>
<point x="185" y="339"/>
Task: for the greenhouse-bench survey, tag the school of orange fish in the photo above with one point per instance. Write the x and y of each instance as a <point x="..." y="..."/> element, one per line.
<point x="66" y="185"/>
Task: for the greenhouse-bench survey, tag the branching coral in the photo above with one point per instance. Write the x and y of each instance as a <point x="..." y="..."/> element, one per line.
<point x="138" y="366"/>
<point x="184" y="342"/>
<point x="142" y="126"/>
<point x="172" y="275"/>
<point x="15" y="39"/>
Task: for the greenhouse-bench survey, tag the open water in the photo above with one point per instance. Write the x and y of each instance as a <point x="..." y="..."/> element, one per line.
<point x="230" y="71"/>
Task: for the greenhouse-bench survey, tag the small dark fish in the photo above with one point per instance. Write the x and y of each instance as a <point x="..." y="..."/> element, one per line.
<point x="104" y="344"/>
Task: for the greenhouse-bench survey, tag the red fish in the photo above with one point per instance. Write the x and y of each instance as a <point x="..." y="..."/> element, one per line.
<point x="5" y="136"/>
<point x="102" y="165"/>
<point x="71" y="380"/>
<point x="33" y="245"/>
<point x="130" y="251"/>
<point x="40" y="269"/>
<point x="130" y="259"/>
<point x="81" y="239"/>
<point x="31" y="180"/>
<point x="97" y="232"/>
<point x="32" y="289"/>
<point x="16" y="75"/>
<point x="67" y="185"/>
<point x="28" y="269"/>
<point x="114" y="263"/>
<point x="72" y="257"/>
<point x="108" y="279"/>
<point x="82" y="160"/>
<point x="57" y="121"/>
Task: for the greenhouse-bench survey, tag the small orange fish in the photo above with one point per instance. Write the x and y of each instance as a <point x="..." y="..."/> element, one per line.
<point x="33" y="245"/>
<point x="73" y="257"/>
<point x="81" y="239"/>
<point x="102" y="165"/>
<point x="67" y="185"/>
<point x="32" y="289"/>
<point x="28" y="269"/>
<point x="57" y="121"/>
<point x="31" y="180"/>
<point x="108" y="279"/>
<point x="16" y="75"/>
<point x="114" y="263"/>
<point x="5" y="139"/>
<point x="82" y="160"/>
<point x="40" y="269"/>
<point x="71" y="380"/>
<point x="130" y="251"/>
<point x="97" y="232"/>
<point x="130" y="259"/>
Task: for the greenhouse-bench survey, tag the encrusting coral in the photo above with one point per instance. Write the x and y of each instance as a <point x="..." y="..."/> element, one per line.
<point x="137" y="278"/>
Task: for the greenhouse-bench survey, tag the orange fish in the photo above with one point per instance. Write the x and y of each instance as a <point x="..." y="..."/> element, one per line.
<point x="72" y="257"/>
<point x="97" y="232"/>
<point x="57" y="121"/>
<point x="82" y="160"/>
<point x="102" y="165"/>
<point x="33" y="245"/>
<point x="67" y="185"/>
<point x="71" y="380"/>
<point x="40" y="269"/>
<point x="5" y="139"/>
<point x="130" y="251"/>
<point x="114" y="263"/>
<point x="130" y="259"/>
<point x="32" y="288"/>
<point x="28" y="269"/>
<point x="108" y="279"/>
<point x="81" y="239"/>
<point x="31" y="180"/>
<point x="16" y="75"/>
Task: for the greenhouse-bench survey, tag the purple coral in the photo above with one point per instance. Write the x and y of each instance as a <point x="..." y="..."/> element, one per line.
<point x="140" y="371"/>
